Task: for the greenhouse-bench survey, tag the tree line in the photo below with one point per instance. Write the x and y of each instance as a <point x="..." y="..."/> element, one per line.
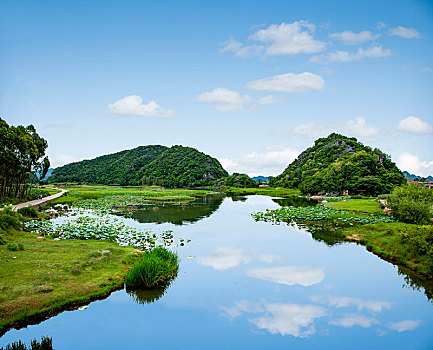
<point x="22" y="159"/>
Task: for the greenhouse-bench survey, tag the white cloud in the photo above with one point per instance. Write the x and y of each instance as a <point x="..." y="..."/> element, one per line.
<point x="289" y="275"/>
<point x="289" y="319"/>
<point x="240" y="50"/>
<point x="241" y="307"/>
<point x="270" y="162"/>
<point x="407" y="33"/>
<point x="268" y="100"/>
<point x="289" y="39"/>
<point x="339" y="302"/>
<point x="354" y="320"/>
<point x="353" y="127"/>
<point x="312" y="130"/>
<point x="415" y="125"/>
<point x="289" y="82"/>
<point x="270" y="258"/>
<point x="225" y="258"/>
<point x="225" y="100"/>
<point x="345" y="56"/>
<point x="352" y="38"/>
<point x="133" y="105"/>
<point x="412" y="164"/>
<point x="360" y="127"/>
<point x="406" y="325"/>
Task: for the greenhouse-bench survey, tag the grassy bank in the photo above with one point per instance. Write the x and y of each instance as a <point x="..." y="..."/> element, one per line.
<point x="408" y="245"/>
<point x="370" y="206"/>
<point x="359" y="220"/>
<point x="49" y="276"/>
<point x="82" y="192"/>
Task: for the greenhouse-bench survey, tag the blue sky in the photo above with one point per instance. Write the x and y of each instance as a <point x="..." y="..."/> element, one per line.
<point x="252" y="83"/>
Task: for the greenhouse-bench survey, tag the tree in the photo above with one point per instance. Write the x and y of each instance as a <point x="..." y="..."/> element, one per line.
<point x="412" y="204"/>
<point x="22" y="159"/>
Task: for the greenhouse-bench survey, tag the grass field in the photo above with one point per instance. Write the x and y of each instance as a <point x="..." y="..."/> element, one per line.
<point x="49" y="276"/>
<point x="81" y="192"/>
<point x="371" y="206"/>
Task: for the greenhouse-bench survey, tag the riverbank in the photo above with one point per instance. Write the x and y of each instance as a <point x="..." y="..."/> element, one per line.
<point x="408" y="245"/>
<point x="360" y="221"/>
<point x="48" y="276"/>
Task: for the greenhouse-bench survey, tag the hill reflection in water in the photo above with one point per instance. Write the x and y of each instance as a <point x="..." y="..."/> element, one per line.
<point x="179" y="214"/>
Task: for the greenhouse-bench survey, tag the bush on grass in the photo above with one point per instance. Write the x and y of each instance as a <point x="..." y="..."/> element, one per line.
<point x="411" y="204"/>
<point x="156" y="268"/>
<point x="28" y="212"/>
<point x="9" y="219"/>
<point x="14" y="247"/>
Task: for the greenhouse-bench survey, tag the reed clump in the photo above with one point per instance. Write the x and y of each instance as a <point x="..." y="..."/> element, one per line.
<point x="156" y="268"/>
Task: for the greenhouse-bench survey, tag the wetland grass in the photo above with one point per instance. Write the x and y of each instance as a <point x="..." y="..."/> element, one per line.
<point x="156" y="268"/>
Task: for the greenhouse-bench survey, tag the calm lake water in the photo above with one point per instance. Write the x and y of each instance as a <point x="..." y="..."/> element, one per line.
<point x="252" y="285"/>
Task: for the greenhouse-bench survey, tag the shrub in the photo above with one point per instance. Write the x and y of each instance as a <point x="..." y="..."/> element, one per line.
<point x="411" y="204"/>
<point x="45" y="344"/>
<point x="94" y="254"/>
<point x="9" y="219"/>
<point x="106" y="254"/>
<point x="420" y="239"/>
<point x="156" y="268"/>
<point x="12" y="247"/>
<point x="28" y="212"/>
<point x="76" y="270"/>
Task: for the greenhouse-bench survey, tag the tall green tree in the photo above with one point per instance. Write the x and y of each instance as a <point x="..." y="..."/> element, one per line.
<point x="22" y="158"/>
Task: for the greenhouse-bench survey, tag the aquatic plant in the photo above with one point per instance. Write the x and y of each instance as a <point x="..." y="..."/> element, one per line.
<point x="156" y="268"/>
<point x="101" y="228"/>
<point x="312" y="215"/>
<point x="125" y="202"/>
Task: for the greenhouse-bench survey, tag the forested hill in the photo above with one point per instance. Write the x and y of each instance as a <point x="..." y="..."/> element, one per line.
<point x="336" y="163"/>
<point x="151" y="165"/>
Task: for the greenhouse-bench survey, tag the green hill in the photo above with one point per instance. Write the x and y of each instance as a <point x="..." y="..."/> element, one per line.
<point x="236" y="180"/>
<point x="337" y="163"/>
<point x="176" y="166"/>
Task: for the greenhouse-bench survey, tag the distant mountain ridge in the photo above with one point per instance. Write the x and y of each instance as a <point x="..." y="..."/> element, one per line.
<point x="336" y="164"/>
<point x="175" y="166"/>
<point x="411" y="177"/>
<point x="260" y="178"/>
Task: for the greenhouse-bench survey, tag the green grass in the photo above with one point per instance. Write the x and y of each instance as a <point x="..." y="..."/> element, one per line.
<point x="152" y="193"/>
<point x="370" y="206"/>
<point x="156" y="268"/>
<point x="45" y="344"/>
<point x="48" y="276"/>
<point x="406" y="244"/>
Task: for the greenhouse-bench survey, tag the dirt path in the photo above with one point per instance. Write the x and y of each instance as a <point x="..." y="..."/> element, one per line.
<point x="40" y="202"/>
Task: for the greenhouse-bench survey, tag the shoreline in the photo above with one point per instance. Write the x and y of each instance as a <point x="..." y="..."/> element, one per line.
<point x="39" y="316"/>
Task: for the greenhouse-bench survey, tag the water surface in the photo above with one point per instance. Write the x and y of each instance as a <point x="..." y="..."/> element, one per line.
<point x="253" y="285"/>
